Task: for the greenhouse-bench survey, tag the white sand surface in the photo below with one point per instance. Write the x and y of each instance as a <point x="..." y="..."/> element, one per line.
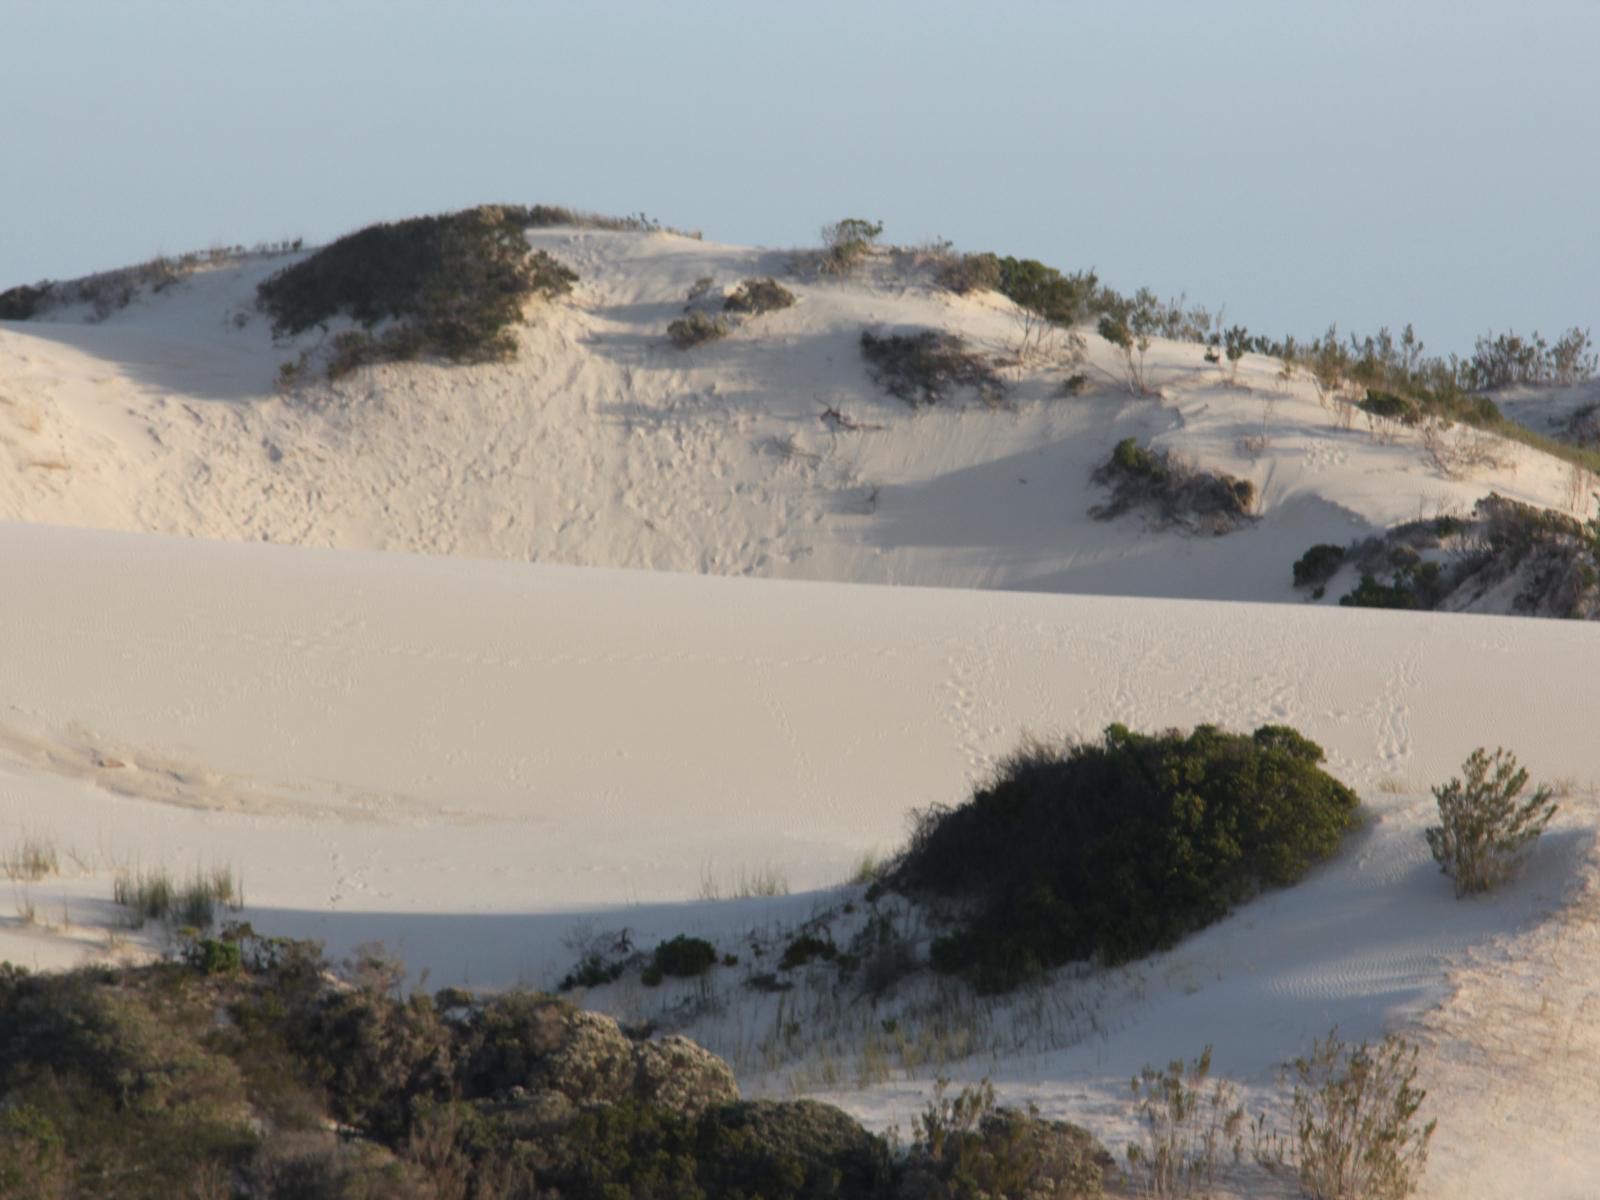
<point x="475" y="761"/>
<point x="550" y="720"/>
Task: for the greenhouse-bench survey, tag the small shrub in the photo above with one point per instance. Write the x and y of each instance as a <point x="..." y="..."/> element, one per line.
<point x="1356" y="1133"/>
<point x="922" y="368"/>
<point x="804" y="949"/>
<point x="1115" y="848"/>
<point x="683" y="957"/>
<point x="757" y="296"/>
<point x="1369" y="593"/>
<point x="31" y="860"/>
<point x="1187" y="1127"/>
<point x="1387" y="406"/>
<point x="696" y="329"/>
<point x="967" y="1146"/>
<point x="1484" y="828"/>
<point x="1318" y="565"/>
<point x="593" y="970"/>
<point x="846" y="243"/>
<point x="1173" y="489"/>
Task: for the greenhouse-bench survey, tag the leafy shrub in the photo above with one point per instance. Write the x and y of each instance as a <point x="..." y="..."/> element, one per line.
<point x="845" y="243"/>
<point x="1318" y="565"/>
<point x="455" y="285"/>
<point x="1483" y="828"/>
<point x="922" y="368"/>
<point x="1116" y="848"/>
<point x="1173" y="489"/>
<point x="684" y="957"/>
<point x="1369" y="593"/>
<point x="1386" y="406"/>
<point x="795" y="1149"/>
<point x="1356" y="1132"/>
<point x="758" y="296"/>
<point x="696" y="329"/>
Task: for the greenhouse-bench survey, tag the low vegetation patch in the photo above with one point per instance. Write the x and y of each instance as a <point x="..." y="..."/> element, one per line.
<point x="452" y="286"/>
<point x="155" y="896"/>
<point x="757" y="296"/>
<point x="1109" y="850"/>
<point x="1173" y="490"/>
<point x="31" y="859"/>
<point x="1318" y="565"/>
<point x="226" y="1072"/>
<point x="924" y="368"/>
<point x="696" y="329"/>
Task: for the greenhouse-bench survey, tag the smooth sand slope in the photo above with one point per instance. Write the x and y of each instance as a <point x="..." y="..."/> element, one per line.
<point x="473" y="761"/>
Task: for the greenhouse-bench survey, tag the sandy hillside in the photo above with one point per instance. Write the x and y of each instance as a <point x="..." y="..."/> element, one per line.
<point x="605" y="445"/>
<point x="490" y="702"/>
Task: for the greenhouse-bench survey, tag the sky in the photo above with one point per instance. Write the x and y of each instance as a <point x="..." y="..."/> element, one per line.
<point x="1362" y="163"/>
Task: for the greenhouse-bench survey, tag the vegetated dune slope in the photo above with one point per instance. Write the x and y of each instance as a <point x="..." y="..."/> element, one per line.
<point x="474" y="760"/>
<point x="605" y="445"/>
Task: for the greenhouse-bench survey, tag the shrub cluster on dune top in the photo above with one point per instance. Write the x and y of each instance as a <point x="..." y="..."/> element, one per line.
<point x="1173" y="490"/>
<point x="451" y="285"/>
<point x="1112" y="849"/>
<point x="227" y="1072"/>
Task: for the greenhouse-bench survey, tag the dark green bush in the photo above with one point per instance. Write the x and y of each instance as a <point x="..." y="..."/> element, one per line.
<point x="1060" y="299"/>
<point x="1116" y="848"/>
<point x="805" y="948"/>
<point x="696" y="329"/>
<point x="23" y="302"/>
<point x="684" y="957"/>
<point x="921" y="368"/>
<point x="1318" y="564"/>
<point x="757" y="296"/>
<point x="1387" y="406"/>
<point x="455" y="285"/>
<point x="1369" y="593"/>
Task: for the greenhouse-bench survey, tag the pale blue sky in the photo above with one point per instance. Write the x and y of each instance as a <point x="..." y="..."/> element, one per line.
<point x="1363" y="162"/>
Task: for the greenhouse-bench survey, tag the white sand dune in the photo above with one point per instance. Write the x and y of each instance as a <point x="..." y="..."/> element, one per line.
<point x="472" y="760"/>
<point x="480" y="761"/>
<point x="604" y="445"/>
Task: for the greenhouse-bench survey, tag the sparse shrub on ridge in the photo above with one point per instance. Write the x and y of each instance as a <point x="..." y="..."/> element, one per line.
<point x="922" y="368"/>
<point x="757" y="296"/>
<point x="1484" y="828"/>
<point x="451" y="285"/>
<point x="1175" y="491"/>
<point x="682" y="957"/>
<point x="1112" y="849"/>
<point x="846" y="243"/>
<point x="967" y="273"/>
<point x="696" y="329"/>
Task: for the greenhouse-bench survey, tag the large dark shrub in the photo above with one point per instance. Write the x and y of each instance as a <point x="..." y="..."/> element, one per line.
<point x="1116" y="848"/>
<point x="454" y="284"/>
